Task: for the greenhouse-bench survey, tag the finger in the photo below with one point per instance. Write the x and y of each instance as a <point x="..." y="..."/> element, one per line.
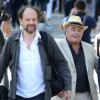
<point x="67" y="95"/>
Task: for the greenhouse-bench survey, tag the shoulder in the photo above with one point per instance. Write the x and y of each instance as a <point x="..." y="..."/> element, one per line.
<point x="15" y="35"/>
<point x="60" y="40"/>
<point x="87" y="45"/>
<point x="90" y="19"/>
<point x="45" y="36"/>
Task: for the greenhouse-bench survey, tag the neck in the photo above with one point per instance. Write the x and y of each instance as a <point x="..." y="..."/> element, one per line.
<point x="83" y="11"/>
<point x="76" y="47"/>
<point x="28" y="36"/>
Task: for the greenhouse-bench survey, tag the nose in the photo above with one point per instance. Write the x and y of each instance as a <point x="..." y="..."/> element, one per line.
<point x="31" y="22"/>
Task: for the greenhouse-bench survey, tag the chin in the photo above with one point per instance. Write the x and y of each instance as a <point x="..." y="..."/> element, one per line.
<point x="76" y="42"/>
<point x="31" y="31"/>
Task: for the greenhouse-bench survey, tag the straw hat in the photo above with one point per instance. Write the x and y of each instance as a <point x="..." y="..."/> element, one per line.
<point x="73" y="20"/>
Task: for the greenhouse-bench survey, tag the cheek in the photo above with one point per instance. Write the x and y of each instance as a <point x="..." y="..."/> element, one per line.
<point x="81" y="34"/>
<point x="23" y="23"/>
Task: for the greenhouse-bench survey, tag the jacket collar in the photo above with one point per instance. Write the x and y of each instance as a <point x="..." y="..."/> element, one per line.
<point x="18" y="34"/>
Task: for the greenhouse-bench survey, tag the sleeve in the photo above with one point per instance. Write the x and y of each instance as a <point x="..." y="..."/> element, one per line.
<point x="4" y="59"/>
<point x="98" y="71"/>
<point x="61" y="64"/>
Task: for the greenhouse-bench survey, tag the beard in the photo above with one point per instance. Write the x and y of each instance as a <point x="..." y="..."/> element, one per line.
<point x="30" y="29"/>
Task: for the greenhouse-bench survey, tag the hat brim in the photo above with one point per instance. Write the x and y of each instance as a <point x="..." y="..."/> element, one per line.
<point x="64" y="25"/>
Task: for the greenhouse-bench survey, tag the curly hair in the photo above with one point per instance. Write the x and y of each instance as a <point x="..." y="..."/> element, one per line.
<point x="40" y="14"/>
<point x="80" y="4"/>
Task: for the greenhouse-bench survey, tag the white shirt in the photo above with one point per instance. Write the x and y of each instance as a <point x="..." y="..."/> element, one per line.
<point x="30" y="80"/>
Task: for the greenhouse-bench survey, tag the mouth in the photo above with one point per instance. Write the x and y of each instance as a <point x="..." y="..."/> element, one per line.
<point x="76" y="36"/>
<point x="31" y="25"/>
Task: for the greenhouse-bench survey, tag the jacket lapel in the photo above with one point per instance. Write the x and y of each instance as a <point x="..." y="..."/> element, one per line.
<point x="67" y="51"/>
<point x="68" y="55"/>
<point x="85" y="50"/>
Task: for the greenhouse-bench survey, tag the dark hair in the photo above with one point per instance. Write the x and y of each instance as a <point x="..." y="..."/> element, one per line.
<point x="40" y="14"/>
<point x="80" y="4"/>
<point x="5" y="17"/>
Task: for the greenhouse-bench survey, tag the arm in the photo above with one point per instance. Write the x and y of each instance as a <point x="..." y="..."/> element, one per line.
<point x="61" y="64"/>
<point x="4" y="59"/>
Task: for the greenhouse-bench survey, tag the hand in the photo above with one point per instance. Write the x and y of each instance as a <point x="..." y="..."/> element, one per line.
<point x="61" y="94"/>
<point x="73" y="11"/>
<point x="65" y="94"/>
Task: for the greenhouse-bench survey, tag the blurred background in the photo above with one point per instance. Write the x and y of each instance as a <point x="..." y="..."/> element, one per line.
<point x="55" y="11"/>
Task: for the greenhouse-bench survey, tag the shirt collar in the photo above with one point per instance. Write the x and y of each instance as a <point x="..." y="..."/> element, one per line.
<point x="37" y="36"/>
<point x="70" y="45"/>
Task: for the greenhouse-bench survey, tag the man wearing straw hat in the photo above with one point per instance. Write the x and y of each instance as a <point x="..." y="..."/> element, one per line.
<point x="81" y="60"/>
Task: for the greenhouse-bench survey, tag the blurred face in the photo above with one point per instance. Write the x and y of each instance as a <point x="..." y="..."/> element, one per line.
<point x="74" y="33"/>
<point x="29" y="20"/>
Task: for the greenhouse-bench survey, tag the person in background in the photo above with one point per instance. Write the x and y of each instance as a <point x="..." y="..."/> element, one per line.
<point x="97" y="13"/>
<point x="68" y="5"/>
<point x="6" y="25"/>
<point x="49" y="9"/>
<point x="91" y="7"/>
<point x="1" y="3"/>
<point x="80" y="10"/>
<point x="42" y="4"/>
<point x="15" y="6"/>
<point x="5" y="32"/>
<point x="81" y="59"/>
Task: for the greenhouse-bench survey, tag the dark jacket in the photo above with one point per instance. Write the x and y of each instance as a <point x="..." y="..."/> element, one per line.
<point x="2" y="41"/>
<point x="90" y="22"/>
<point x="10" y="55"/>
<point x="4" y="84"/>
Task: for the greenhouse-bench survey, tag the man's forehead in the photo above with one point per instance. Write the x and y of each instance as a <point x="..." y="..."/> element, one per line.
<point x="29" y="10"/>
<point x="75" y="26"/>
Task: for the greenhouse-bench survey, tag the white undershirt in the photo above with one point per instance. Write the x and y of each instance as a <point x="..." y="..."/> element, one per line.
<point x="30" y="80"/>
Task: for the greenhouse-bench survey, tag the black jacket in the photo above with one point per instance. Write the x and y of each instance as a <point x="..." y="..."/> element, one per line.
<point x="2" y="41"/>
<point x="10" y="55"/>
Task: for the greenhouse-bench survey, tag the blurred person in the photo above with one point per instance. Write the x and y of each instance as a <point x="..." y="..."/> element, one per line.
<point x="81" y="59"/>
<point x="8" y="7"/>
<point x="68" y="5"/>
<point x="97" y="50"/>
<point x="91" y="7"/>
<point x="49" y="9"/>
<point x="57" y="5"/>
<point x="30" y="68"/>
<point x="42" y="4"/>
<point x="1" y="3"/>
<point x="1" y="12"/>
<point x="6" y="25"/>
<point x="97" y="37"/>
<point x="80" y="10"/>
<point x="15" y="6"/>
<point x="5" y="32"/>
<point x="97" y="14"/>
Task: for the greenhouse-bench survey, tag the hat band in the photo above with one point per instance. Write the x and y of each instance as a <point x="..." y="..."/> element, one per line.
<point x="76" y="23"/>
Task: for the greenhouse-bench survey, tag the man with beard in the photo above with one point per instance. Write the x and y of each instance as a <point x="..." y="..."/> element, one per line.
<point x="27" y="59"/>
